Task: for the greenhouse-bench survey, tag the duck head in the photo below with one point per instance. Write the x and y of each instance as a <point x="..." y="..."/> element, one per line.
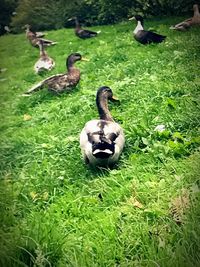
<point x="76" y="21"/>
<point x="138" y="18"/>
<point x="106" y="93"/>
<point x="72" y="18"/>
<point x="26" y="27"/>
<point x="72" y="58"/>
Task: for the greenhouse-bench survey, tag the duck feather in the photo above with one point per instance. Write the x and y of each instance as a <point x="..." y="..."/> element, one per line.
<point x="144" y="36"/>
<point x="44" y="63"/>
<point x="34" y="39"/>
<point x="188" y="23"/>
<point x="147" y="37"/>
<point x="102" y="140"/>
<point x="83" y="33"/>
<point x="60" y="83"/>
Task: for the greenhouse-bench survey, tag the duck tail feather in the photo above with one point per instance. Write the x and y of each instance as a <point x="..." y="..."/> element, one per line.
<point x="161" y="38"/>
<point x="33" y="89"/>
<point x="46" y="41"/>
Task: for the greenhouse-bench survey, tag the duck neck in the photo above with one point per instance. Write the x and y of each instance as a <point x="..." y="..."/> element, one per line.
<point x="27" y="30"/>
<point x="102" y="105"/>
<point x="77" y="23"/>
<point x="42" y="51"/>
<point x="70" y="65"/>
<point x="196" y="11"/>
<point x="139" y="27"/>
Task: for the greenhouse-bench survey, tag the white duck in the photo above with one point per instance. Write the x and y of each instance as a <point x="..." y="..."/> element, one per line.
<point x="102" y="140"/>
<point x="44" y="63"/>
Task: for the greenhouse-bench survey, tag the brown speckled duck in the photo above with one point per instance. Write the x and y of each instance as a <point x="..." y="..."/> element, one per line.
<point x="44" y="63"/>
<point x="188" y="23"/>
<point x="102" y="140"/>
<point x="60" y="83"/>
<point x="34" y="39"/>
<point x="83" y="33"/>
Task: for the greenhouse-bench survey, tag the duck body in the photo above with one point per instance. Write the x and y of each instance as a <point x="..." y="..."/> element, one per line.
<point x="102" y="140"/>
<point x="60" y="83"/>
<point x="145" y="37"/>
<point x="83" y="33"/>
<point x="44" y="63"/>
<point x="188" y="23"/>
<point x="182" y="26"/>
<point x="148" y="37"/>
<point x="34" y="39"/>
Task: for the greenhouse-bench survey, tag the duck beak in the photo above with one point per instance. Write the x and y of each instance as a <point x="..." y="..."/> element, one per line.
<point x="84" y="59"/>
<point x="114" y="98"/>
<point x="132" y="18"/>
<point x="70" y="19"/>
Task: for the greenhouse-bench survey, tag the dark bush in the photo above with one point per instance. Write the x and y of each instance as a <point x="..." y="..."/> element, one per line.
<point x="44" y="15"/>
<point x="7" y="7"/>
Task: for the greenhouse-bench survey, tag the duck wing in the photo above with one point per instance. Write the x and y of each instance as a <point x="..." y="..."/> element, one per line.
<point x="182" y="26"/>
<point x="45" y="63"/>
<point x="39" y="34"/>
<point x="51" y="80"/>
<point x="58" y="83"/>
<point x="85" y="33"/>
<point x="42" y="64"/>
<point x="47" y="42"/>
<point x="147" y="37"/>
<point x="33" y="40"/>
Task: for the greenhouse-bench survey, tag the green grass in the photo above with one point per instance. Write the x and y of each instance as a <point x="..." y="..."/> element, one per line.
<point x="55" y="211"/>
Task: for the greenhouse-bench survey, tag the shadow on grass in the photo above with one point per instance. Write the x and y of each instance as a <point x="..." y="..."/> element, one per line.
<point x="35" y="99"/>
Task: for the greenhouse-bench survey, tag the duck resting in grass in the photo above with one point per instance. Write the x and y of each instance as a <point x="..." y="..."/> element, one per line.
<point x="102" y="140"/>
<point x="60" y="83"/>
<point x="83" y="33"/>
<point x="34" y="39"/>
<point x="145" y="37"/>
<point x="188" y="23"/>
<point x="44" y="63"/>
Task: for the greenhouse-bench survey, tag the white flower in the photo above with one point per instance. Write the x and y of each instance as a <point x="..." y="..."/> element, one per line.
<point x="160" y="128"/>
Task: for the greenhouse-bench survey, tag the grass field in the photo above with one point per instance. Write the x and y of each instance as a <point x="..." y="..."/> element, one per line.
<point x="55" y="210"/>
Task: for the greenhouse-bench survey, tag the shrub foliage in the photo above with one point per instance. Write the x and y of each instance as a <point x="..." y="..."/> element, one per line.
<point x="51" y="14"/>
<point x="7" y="7"/>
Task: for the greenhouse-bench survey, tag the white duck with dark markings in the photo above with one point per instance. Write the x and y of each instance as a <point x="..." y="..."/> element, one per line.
<point x="102" y="140"/>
